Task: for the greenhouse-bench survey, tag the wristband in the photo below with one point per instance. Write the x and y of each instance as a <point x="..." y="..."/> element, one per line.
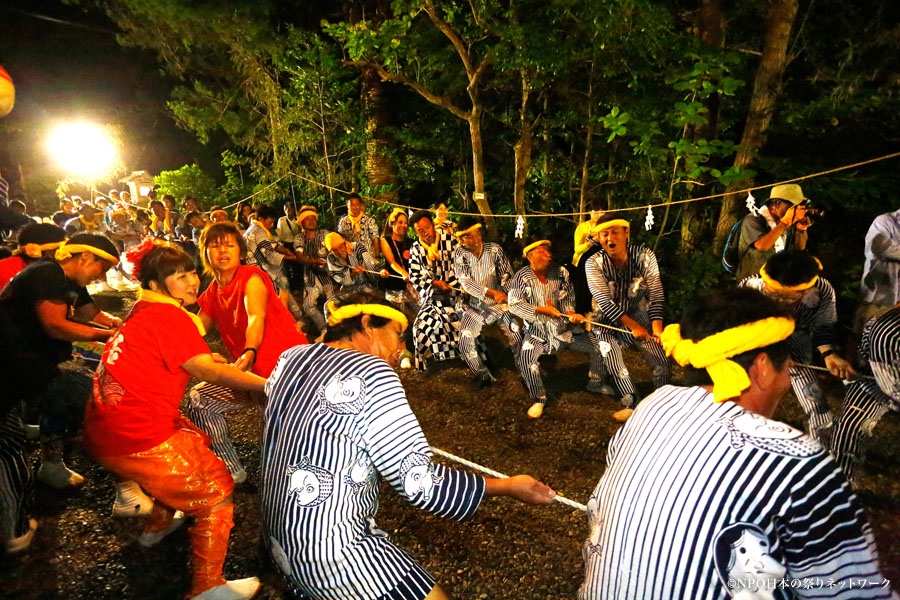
<point x="246" y="350"/>
<point x="827" y="353"/>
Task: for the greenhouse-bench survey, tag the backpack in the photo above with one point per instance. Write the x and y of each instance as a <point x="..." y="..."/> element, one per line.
<point x="730" y="255"/>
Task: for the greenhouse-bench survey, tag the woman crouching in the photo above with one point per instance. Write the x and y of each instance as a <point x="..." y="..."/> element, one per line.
<point x="133" y="426"/>
<point x="337" y="416"/>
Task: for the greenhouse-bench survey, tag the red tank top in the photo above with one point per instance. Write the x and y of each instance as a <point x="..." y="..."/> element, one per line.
<point x="226" y="308"/>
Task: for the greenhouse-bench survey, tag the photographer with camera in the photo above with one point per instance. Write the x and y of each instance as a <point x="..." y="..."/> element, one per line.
<point x="779" y="225"/>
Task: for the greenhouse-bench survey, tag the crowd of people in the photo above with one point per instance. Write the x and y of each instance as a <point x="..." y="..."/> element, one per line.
<point x="704" y="494"/>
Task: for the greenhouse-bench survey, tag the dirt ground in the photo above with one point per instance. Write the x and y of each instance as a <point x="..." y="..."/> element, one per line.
<point x="508" y="550"/>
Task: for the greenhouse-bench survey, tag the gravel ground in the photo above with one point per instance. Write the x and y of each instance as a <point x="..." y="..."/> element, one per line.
<point x="508" y="550"/>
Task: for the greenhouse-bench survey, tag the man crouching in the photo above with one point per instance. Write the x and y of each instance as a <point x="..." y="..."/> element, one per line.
<point x="705" y="496"/>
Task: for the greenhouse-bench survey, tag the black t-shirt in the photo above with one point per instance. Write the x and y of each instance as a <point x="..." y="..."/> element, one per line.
<point x="42" y="280"/>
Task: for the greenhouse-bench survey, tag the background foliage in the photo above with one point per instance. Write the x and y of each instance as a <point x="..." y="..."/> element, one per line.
<point x="610" y="98"/>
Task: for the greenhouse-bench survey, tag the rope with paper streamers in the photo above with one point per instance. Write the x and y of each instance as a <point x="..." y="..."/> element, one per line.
<point x="627" y="208"/>
<point x="476" y="467"/>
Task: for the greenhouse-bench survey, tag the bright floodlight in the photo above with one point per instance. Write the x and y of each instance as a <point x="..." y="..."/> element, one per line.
<point x="82" y="149"/>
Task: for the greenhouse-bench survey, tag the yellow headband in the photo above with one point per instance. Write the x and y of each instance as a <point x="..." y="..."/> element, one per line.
<point x="67" y="250"/>
<point x="533" y="246"/>
<point x="469" y="230"/>
<point x="37" y="250"/>
<point x="613" y="223"/>
<point x="775" y="286"/>
<point x="394" y="214"/>
<point x="215" y="212"/>
<point x="309" y="212"/>
<point x="712" y="353"/>
<point x="333" y="239"/>
<point x="336" y="315"/>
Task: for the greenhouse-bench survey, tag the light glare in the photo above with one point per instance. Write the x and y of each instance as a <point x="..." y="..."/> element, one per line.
<point x="82" y="149"/>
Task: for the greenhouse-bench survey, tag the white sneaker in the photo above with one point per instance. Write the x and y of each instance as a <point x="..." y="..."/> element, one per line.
<point x="148" y="540"/>
<point x="134" y="504"/>
<point x="57" y="475"/>
<point x="239" y="476"/>
<point x="21" y="543"/>
<point x="239" y="589"/>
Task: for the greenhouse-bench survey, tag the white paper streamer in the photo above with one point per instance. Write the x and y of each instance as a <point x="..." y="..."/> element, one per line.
<point x="648" y="222"/>
<point x="520" y="227"/>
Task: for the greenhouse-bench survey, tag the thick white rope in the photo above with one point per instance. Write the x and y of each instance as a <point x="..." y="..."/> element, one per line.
<point x="498" y="475"/>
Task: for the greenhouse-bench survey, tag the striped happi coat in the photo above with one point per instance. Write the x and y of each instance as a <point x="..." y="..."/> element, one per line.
<point x="336" y="419"/>
<point x="694" y="491"/>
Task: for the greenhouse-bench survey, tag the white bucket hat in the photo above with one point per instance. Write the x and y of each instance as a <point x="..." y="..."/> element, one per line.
<point x="790" y="192"/>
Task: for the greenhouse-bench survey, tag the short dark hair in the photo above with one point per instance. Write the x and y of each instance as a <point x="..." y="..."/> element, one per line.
<point x="157" y="203"/>
<point x="718" y="311"/>
<point x="101" y="242"/>
<point x="792" y="267"/>
<point x="169" y="197"/>
<point x="348" y="327"/>
<point x="41" y="233"/>
<point x="418" y="216"/>
<point x="162" y="260"/>
<point x="191" y="215"/>
<point x="267" y="211"/>
<point x="216" y="232"/>
<point x="356" y="196"/>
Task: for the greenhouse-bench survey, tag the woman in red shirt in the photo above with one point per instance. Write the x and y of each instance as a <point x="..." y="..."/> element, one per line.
<point x="255" y="326"/>
<point x="133" y="426"/>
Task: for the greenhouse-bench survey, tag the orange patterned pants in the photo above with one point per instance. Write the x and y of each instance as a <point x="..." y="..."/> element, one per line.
<point x="183" y="474"/>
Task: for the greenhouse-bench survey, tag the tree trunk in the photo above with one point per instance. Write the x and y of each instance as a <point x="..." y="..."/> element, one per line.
<point x="766" y="89"/>
<point x="711" y="31"/>
<point x="479" y="196"/>
<point x="522" y="151"/>
<point x="380" y="168"/>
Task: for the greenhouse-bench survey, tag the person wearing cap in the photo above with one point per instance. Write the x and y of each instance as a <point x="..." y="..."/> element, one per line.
<point x="542" y="296"/>
<point x="348" y="263"/>
<point x="357" y="227"/>
<point x="706" y="496"/>
<point x="436" y="328"/>
<point x="484" y="274"/>
<point x="311" y="252"/>
<point x="627" y="290"/>
<point x="779" y="225"/>
<point x="42" y="310"/>
<point x="328" y="442"/>
<point x="866" y="400"/>
<point x="793" y="279"/>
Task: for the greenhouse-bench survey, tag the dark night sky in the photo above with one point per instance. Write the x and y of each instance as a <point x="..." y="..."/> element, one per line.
<point x="65" y="72"/>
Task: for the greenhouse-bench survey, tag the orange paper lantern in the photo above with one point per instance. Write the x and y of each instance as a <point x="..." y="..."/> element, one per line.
<point x="7" y="93"/>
